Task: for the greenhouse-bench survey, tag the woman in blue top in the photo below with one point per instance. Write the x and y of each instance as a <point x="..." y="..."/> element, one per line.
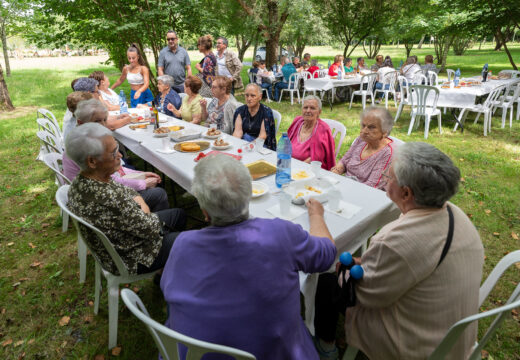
<point x="138" y="76"/>
<point x="166" y="95"/>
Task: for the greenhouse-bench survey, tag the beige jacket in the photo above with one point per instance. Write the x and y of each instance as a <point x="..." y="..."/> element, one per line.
<point x="405" y="303"/>
<point x="234" y="66"/>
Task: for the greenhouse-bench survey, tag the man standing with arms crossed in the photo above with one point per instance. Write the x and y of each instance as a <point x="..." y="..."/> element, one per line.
<point x="174" y="61"/>
<point x="228" y="64"/>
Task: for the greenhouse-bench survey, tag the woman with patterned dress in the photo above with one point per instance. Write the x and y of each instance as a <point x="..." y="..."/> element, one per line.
<point x="207" y="66"/>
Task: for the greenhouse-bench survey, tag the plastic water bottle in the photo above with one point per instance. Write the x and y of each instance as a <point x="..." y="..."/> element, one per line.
<point x="456" y="78"/>
<point x="484" y="72"/>
<point x="122" y="103"/>
<point x="283" y="164"/>
<point x="340" y="74"/>
<point x="329" y="64"/>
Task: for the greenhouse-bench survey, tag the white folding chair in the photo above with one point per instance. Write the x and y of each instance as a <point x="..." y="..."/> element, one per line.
<point x="451" y="74"/>
<point x="453" y="334"/>
<point x="389" y="79"/>
<point x="423" y="106"/>
<point x="251" y="76"/>
<point x="323" y="73"/>
<point x="49" y="142"/>
<point x="294" y="80"/>
<point x="113" y="280"/>
<point x="168" y="340"/>
<point x="311" y="86"/>
<point x="485" y="108"/>
<point x="405" y="95"/>
<point x="514" y="73"/>
<point x="419" y="78"/>
<point x="44" y="113"/>
<point x="53" y="162"/>
<point x="47" y="123"/>
<point x="507" y="102"/>
<point x="433" y="79"/>
<point x="277" y="118"/>
<point x="337" y="128"/>
<point x="369" y="80"/>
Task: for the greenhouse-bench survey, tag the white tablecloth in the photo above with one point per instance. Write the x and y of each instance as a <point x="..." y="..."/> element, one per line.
<point x="376" y="208"/>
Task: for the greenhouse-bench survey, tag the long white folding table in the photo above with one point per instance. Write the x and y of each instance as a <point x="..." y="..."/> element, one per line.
<point x="376" y="208"/>
<point x="327" y="83"/>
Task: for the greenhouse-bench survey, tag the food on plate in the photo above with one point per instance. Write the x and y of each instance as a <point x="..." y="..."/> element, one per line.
<point x="162" y="130"/>
<point x="258" y="191"/>
<point x="494" y="77"/>
<point x="299" y="195"/>
<point x="134" y="115"/>
<point x="190" y="146"/>
<point x="310" y="188"/>
<point x="220" y="142"/>
<point x="175" y="128"/>
<point x="300" y="175"/>
<point x="140" y="126"/>
<point x="213" y="132"/>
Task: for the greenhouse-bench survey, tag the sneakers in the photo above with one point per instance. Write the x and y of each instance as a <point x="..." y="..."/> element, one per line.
<point x="324" y="354"/>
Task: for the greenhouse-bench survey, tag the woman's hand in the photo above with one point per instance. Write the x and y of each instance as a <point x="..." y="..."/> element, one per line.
<point x="137" y="94"/>
<point x="151" y="182"/>
<point x="199" y="67"/>
<point x="314" y="207"/>
<point x="138" y="199"/>
<point x="170" y="107"/>
<point x="308" y="160"/>
<point x="203" y="103"/>
<point x="338" y="169"/>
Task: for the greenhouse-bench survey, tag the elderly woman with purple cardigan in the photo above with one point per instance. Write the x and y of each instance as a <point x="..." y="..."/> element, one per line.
<point x="370" y="154"/>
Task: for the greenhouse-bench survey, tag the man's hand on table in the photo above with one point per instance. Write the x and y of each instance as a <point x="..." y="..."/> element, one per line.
<point x="316" y="220"/>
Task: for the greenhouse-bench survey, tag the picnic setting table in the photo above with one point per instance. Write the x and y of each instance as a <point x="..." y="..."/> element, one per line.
<point x="366" y="209"/>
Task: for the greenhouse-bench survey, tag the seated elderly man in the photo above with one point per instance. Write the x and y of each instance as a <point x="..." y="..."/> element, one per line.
<point x="141" y="238"/>
<point x="422" y="271"/>
<point x="92" y="111"/>
<point x="239" y="276"/>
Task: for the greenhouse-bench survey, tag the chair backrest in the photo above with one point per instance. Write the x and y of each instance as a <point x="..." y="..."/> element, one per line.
<point x="419" y="95"/>
<point x="419" y="78"/>
<point x="322" y="73"/>
<point x="44" y="124"/>
<point x="432" y="78"/>
<point x="514" y="73"/>
<point x="369" y="80"/>
<point x="493" y="97"/>
<point x="53" y="161"/>
<point x="397" y="142"/>
<point x="404" y="87"/>
<point x="44" y="113"/>
<point x="306" y="75"/>
<point x="252" y="76"/>
<point x="337" y="128"/>
<point x="182" y="95"/>
<point x="62" y="199"/>
<point x="391" y="79"/>
<point x="496" y="273"/>
<point x="277" y="118"/>
<point x="50" y="142"/>
<point x="293" y="81"/>
<point x="167" y="340"/>
<point x="451" y="74"/>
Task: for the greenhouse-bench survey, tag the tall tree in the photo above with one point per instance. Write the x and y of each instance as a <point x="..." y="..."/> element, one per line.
<point x="13" y="15"/>
<point x="5" y="100"/>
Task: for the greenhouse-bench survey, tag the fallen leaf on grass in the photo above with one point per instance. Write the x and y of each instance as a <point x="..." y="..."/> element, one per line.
<point x="91" y="303"/>
<point x="116" y="351"/>
<point x="7" y="342"/>
<point x="496" y="234"/>
<point x="481" y="203"/>
<point x="30" y="342"/>
<point x="18" y="343"/>
<point x="462" y="179"/>
<point x="63" y="344"/>
<point x="10" y="243"/>
<point x="44" y="225"/>
<point x="16" y="284"/>
<point x="22" y="355"/>
<point x="99" y="357"/>
<point x="23" y="279"/>
<point x="88" y="318"/>
<point x="484" y="354"/>
<point x="64" y="320"/>
<point x="514" y="235"/>
<point x="3" y="311"/>
<point x="487" y="211"/>
<point x="31" y="245"/>
<point x="36" y="264"/>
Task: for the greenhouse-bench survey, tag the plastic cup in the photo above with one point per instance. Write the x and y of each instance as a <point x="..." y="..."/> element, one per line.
<point x="334" y="199"/>
<point x="259" y="144"/>
<point x="150" y="128"/>
<point x="316" y="167"/>
<point x="212" y="126"/>
<point x="166" y="143"/>
<point x="284" y="200"/>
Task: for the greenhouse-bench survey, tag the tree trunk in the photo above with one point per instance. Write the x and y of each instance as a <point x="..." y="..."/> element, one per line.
<point x="408" y="45"/>
<point x="442" y="47"/>
<point x="504" y="43"/>
<point x="5" y="100"/>
<point x="254" y="50"/>
<point x="498" y="44"/>
<point x="242" y="45"/>
<point x="271" y="47"/>
<point x="421" y="42"/>
<point x="4" y="47"/>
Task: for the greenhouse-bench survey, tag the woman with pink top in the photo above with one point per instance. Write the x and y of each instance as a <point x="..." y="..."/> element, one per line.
<point x="311" y="138"/>
<point x="370" y="154"/>
<point x="143" y="182"/>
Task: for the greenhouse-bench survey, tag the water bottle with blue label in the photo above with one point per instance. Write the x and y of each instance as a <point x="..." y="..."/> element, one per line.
<point x="122" y="103"/>
<point x="484" y="72"/>
<point x="283" y="164"/>
<point x="456" y="78"/>
<point x="329" y="64"/>
<point x="340" y="74"/>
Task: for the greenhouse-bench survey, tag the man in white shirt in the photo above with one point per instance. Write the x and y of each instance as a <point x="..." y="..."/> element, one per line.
<point x="228" y="64"/>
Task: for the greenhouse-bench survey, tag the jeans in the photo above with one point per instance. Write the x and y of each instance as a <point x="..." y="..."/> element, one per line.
<point x="156" y="198"/>
<point x="277" y="89"/>
<point x="379" y="86"/>
<point x="269" y="88"/>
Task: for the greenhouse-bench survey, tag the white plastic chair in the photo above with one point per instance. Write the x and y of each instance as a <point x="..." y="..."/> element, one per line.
<point x="294" y="80"/>
<point x="47" y="123"/>
<point x="50" y="143"/>
<point x="337" y="128"/>
<point x="53" y="162"/>
<point x="44" y="113"/>
<point x="514" y="73"/>
<point x="182" y="95"/>
<point x="323" y="73"/>
<point x="369" y="80"/>
<point x="421" y="106"/>
<point x="397" y="142"/>
<point x="389" y="79"/>
<point x="453" y="334"/>
<point x="507" y="102"/>
<point x="308" y="86"/>
<point x="168" y="340"/>
<point x="404" y="87"/>
<point x="451" y="74"/>
<point x="486" y="108"/>
<point x="113" y="281"/>
<point x="277" y="118"/>
<point x="419" y="78"/>
<point x="433" y="79"/>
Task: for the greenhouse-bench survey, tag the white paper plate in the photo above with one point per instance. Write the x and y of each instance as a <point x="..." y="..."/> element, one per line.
<point x="161" y="135"/>
<point x="301" y="174"/>
<point x="261" y="187"/>
<point x="221" y="147"/>
<point x="212" y="136"/>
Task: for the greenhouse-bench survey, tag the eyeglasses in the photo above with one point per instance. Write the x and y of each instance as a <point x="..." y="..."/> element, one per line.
<point x="171" y="39"/>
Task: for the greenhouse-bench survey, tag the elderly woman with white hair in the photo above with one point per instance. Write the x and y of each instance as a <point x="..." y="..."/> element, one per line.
<point x="92" y="111"/>
<point x="239" y="276"/>
<point x="311" y="138"/>
<point x="167" y="95"/>
<point x="141" y="238"/>
<point x="422" y="272"/>
<point x="370" y="153"/>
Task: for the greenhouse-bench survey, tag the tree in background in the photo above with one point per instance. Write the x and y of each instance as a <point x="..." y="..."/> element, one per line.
<point x="5" y="100"/>
<point x="13" y="14"/>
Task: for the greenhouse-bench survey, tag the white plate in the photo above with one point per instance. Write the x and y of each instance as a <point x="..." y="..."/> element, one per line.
<point x="310" y="188"/>
<point x="259" y="186"/>
<point x="161" y="134"/>
<point x="295" y="173"/>
<point x="221" y="147"/>
<point x="212" y="136"/>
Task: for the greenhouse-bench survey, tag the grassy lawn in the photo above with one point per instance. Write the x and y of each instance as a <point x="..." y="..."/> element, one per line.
<point x="39" y="282"/>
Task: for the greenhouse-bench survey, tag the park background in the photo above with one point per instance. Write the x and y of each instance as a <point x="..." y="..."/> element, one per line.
<point x="46" y="314"/>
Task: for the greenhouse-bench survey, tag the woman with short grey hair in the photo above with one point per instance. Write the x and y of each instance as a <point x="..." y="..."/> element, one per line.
<point x="167" y="95"/>
<point x="422" y="272"/>
<point x="246" y="269"/>
<point x="84" y="142"/>
<point x="91" y="110"/>
<point x="370" y="153"/>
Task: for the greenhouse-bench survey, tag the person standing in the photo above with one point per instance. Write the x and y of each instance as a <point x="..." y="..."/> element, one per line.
<point x="228" y="64"/>
<point x="306" y="63"/>
<point x="174" y="61"/>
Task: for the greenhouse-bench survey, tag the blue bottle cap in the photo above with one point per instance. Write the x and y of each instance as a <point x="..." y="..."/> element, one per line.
<point x="356" y="272"/>
<point x="345" y="258"/>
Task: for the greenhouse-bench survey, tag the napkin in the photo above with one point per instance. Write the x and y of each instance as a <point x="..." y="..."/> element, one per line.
<point x="294" y="212"/>
<point x="346" y="210"/>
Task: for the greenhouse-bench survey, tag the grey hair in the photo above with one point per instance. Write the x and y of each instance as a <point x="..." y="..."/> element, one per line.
<point x="87" y="108"/>
<point x="171" y="32"/>
<point x="224" y="40"/>
<point x="166" y="80"/>
<point x="312" y="97"/>
<point x="256" y="86"/>
<point x="314" y="62"/>
<point x="305" y="55"/>
<point x="386" y="121"/>
<point x="430" y="173"/>
<point x="222" y="186"/>
<point x="84" y="141"/>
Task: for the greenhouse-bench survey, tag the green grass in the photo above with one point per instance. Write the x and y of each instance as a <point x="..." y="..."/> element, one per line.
<point x="34" y="298"/>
